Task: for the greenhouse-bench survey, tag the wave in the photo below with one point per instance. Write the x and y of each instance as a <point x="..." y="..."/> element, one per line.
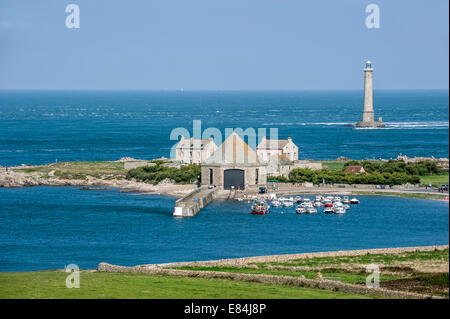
<point x="389" y="125"/>
<point x="417" y="124"/>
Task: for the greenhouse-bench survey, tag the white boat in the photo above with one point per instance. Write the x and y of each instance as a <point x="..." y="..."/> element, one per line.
<point x="346" y="200"/>
<point x="318" y="204"/>
<point x="338" y="205"/>
<point x="298" y="199"/>
<point x="354" y="200"/>
<point x="319" y="198"/>
<point x="276" y="203"/>
<point x="340" y="210"/>
<point x="328" y="210"/>
<point x="311" y="210"/>
<point x="286" y="202"/>
<point x="300" y="210"/>
<point x="346" y="206"/>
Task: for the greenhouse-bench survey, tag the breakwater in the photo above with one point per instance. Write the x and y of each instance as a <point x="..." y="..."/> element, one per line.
<point x="193" y="202"/>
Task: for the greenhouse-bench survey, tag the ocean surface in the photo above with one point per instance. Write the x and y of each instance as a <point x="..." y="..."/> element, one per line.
<point x="38" y="127"/>
<point x="50" y="227"/>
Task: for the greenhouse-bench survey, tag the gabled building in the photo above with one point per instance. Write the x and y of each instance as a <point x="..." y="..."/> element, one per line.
<point x="194" y="151"/>
<point x="234" y="165"/>
<point x="269" y="148"/>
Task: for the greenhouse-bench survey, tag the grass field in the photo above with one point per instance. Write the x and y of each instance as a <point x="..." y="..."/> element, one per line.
<point x="424" y="272"/>
<point x="333" y="165"/>
<point x="51" y="284"/>
<point x="434" y="180"/>
<point x="420" y="272"/>
<point x="78" y="170"/>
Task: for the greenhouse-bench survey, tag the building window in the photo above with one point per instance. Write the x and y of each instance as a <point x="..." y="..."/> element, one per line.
<point x="257" y="176"/>
<point x="210" y="176"/>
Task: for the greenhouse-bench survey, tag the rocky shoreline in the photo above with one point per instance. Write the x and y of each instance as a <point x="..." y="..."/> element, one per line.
<point x="14" y="179"/>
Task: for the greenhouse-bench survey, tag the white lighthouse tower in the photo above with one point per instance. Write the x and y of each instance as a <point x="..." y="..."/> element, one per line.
<point x="368" y="118"/>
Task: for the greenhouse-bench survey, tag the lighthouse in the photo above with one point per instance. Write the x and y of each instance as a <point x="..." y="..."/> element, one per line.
<point x="368" y="117"/>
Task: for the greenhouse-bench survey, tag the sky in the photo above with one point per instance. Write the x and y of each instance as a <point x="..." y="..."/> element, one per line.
<point x="223" y="45"/>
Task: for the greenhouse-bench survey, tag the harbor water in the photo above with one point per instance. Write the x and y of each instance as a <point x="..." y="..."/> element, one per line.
<point x="50" y="227"/>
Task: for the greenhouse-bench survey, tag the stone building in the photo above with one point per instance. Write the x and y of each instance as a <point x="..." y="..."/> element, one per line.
<point x="269" y="148"/>
<point x="194" y="151"/>
<point x="234" y="165"/>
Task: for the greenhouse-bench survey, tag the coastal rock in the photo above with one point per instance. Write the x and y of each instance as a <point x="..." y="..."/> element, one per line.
<point x="14" y="179"/>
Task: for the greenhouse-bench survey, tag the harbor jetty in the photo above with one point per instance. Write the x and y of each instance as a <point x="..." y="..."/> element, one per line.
<point x="192" y="203"/>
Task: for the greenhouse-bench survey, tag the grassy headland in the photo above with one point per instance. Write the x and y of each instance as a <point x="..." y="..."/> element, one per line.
<point x="78" y="170"/>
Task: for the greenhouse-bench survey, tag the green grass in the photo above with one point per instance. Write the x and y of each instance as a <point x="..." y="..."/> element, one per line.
<point x="434" y="180"/>
<point x="337" y="268"/>
<point x="408" y="195"/>
<point x="51" y="284"/>
<point x="333" y="165"/>
<point x="331" y="274"/>
<point x="438" y="255"/>
<point x="79" y="170"/>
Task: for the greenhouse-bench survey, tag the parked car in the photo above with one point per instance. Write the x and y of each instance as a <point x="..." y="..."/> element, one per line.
<point x="262" y="190"/>
<point x="443" y="188"/>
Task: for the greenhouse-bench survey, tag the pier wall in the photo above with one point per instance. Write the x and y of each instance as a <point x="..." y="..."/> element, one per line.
<point x="193" y="202"/>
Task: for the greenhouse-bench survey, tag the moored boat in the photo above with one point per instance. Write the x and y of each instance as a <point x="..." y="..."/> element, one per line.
<point x="354" y="200"/>
<point x="276" y="203"/>
<point x="328" y="210"/>
<point x="260" y="207"/>
<point x="318" y="204"/>
<point x="286" y="202"/>
<point x="300" y="210"/>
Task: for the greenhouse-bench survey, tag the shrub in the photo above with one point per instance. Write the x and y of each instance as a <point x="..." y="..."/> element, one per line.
<point x="155" y="174"/>
<point x="300" y="175"/>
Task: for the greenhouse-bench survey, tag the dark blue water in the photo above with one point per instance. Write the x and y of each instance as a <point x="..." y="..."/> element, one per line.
<point x="49" y="227"/>
<point x="39" y="127"/>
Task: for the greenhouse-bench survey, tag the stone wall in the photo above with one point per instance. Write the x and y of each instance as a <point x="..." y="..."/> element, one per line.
<point x="192" y="203"/>
<point x="319" y="283"/>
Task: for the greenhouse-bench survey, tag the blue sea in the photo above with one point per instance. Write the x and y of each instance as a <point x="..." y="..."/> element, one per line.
<point x="38" y="127"/>
<point x="49" y="227"/>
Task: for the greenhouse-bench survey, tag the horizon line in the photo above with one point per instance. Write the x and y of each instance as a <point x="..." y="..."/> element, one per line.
<point x="221" y="90"/>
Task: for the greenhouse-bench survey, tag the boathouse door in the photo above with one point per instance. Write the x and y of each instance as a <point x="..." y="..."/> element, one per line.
<point x="233" y="177"/>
